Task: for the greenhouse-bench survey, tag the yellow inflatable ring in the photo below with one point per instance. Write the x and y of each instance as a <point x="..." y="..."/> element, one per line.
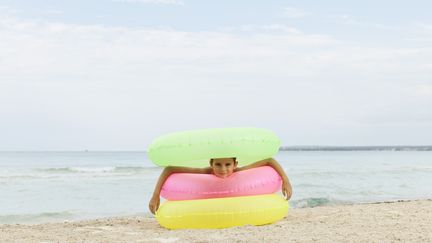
<point x="222" y="212"/>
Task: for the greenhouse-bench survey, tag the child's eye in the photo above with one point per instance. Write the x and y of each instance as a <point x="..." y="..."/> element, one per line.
<point x="227" y="164"/>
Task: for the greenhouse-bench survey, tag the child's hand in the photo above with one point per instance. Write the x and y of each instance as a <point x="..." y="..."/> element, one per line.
<point x="286" y="190"/>
<point x="154" y="204"/>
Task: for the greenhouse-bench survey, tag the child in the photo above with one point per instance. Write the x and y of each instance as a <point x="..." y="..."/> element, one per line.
<point x="222" y="167"/>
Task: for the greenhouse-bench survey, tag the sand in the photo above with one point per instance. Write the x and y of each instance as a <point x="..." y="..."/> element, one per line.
<point x="409" y="221"/>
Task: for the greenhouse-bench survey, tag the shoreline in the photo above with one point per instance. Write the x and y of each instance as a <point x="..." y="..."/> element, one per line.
<point x="387" y="221"/>
<point x="149" y="215"/>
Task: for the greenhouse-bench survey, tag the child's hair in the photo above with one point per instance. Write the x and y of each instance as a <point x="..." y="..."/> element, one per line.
<point x="234" y="158"/>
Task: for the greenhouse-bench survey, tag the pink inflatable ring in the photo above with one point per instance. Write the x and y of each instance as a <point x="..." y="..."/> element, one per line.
<point x="187" y="186"/>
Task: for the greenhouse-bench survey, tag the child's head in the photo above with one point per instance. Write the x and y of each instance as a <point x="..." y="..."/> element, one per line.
<point x="223" y="167"/>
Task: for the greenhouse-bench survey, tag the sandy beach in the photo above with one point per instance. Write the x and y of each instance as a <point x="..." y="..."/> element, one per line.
<point x="407" y="221"/>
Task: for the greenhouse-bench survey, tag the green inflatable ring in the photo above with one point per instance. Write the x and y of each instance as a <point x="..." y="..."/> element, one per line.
<point x="195" y="148"/>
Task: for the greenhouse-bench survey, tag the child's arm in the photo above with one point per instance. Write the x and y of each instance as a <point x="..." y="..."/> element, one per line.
<point x="286" y="186"/>
<point x="155" y="200"/>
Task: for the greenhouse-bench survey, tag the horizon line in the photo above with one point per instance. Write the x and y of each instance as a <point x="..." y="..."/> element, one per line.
<point x="281" y="148"/>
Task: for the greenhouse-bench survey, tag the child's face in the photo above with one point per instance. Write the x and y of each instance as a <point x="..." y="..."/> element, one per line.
<point x="223" y="167"/>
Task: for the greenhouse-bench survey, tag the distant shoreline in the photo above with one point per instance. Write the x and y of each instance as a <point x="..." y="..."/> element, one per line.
<point x="355" y="148"/>
<point x="281" y="148"/>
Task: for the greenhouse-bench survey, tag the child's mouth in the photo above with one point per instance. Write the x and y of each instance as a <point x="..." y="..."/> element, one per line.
<point x="223" y="175"/>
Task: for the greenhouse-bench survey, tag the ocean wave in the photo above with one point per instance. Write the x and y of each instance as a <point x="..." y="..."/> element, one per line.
<point x="313" y="202"/>
<point x="36" y="218"/>
<point x="68" y="172"/>
<point x="76" y="170"/>
<point x="105" y="169"/>
<point x="311" y="185"/>
<point x="373" y="171"/>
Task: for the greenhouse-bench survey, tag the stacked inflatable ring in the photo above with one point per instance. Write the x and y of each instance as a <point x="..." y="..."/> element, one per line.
<point x="207" y="201"/>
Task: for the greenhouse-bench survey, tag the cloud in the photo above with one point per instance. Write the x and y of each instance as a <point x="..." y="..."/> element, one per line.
<point x="420" y="33"/>
<point x="270" y="28"/>
<point x="64" y="45"/>
<point x="282" y="28"/>
<point x="98" y="85"/>
<point x="53" y="11"/>
<point x="168" y="2"/>
<point x="424" y="26"/>
<point x="290" y="12"/>
<point x="7" y="10"/>
<point x="352" y="20"/>
<point x="420" y="39"/>
<point x="424" y="90"/>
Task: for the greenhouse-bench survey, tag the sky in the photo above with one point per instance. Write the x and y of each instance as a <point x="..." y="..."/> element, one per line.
<point x="116" y="74"/>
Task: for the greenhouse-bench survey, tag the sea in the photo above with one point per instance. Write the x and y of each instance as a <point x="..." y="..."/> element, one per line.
<point x="40" y="187"/>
